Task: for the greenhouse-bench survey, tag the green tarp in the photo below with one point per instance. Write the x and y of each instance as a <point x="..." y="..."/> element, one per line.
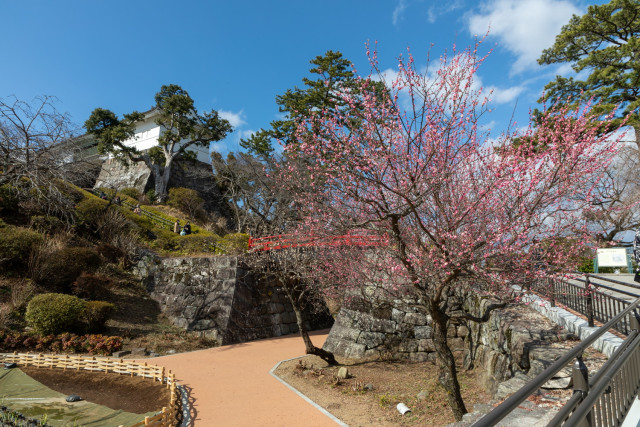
<point x="22" y="393"/>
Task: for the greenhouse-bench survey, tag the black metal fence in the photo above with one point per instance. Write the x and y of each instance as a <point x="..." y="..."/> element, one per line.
<point x="603" y="400"/>
<point x="590" y="298"/>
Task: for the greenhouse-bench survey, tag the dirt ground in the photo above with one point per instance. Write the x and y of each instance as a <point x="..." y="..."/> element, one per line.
<point x="130" y="394"/>
<point x="370" y="396"/>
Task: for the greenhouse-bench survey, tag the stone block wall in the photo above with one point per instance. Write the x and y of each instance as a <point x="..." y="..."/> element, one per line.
<point x="221" y="298"/>
<point x="398" y="329"/>
<point x="390" y="330"/>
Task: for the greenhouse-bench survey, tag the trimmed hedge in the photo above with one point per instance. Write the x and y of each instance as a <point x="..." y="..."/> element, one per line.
<point x="54" y="313"/>
<point x="90" y="210"/>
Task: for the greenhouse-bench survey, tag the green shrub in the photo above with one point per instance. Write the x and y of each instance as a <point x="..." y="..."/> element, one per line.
<point x="131" y="192"/>
<point x="96" y="314"/>
<point x="54" y="313"/>
<point x="151" y="196"/>
<point x="235" y="243"/>
<point x="91" y="286"/>
<point x="16" y="244"/>
<point x="60" y="270"/>
<point x="46" y="224"/>
<point x="90" y="210"/>
<point x="8" y="198"/>
<point x="187" y="201"/>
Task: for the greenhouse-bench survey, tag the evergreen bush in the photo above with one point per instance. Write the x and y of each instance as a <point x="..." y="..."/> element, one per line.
<point x="54" y="313"/>
<point x="97" y="313"/>
<point x="59" y="271"/>
<point x="16" y="244"/>
<point x="187" y="201"/>
<point x="235" y="243"/>
<point x="131" y="192"/>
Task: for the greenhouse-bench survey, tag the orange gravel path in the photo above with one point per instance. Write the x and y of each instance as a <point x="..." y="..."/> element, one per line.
<point x="231" y="385"/>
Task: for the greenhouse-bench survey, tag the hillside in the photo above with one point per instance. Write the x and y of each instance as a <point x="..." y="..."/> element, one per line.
<point x="87" y="254"/>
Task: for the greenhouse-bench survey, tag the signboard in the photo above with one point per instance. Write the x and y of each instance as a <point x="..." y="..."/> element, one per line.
<point x="612" y="257"/>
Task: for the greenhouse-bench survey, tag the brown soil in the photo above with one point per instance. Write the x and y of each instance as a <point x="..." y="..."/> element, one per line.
<point x="370" y="396"/>
<point x="130" y="394"/>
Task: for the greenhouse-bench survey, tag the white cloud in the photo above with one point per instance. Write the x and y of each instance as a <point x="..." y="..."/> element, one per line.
<point x="236" y="119"/>
<point x="504" y="96"/>
<point x="244" y="134"/>
<point x="398" y="11"/>
<point x="435" y="11"/>
<point x="525" y="27"/>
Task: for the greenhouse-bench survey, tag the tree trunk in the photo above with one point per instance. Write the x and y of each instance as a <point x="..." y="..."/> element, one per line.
<point x="448" y="377"/>
<point x="161" y="180"/>
<point x="308" y="345"/>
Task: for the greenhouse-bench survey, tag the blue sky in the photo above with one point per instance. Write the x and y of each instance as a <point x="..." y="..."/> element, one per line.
<point x="235" y="57"/>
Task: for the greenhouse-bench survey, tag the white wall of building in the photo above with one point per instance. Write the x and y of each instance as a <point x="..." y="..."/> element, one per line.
<point x="146" y="137"/>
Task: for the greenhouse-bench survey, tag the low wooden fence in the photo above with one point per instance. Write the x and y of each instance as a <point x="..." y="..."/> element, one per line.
<point x="165" y="418"/>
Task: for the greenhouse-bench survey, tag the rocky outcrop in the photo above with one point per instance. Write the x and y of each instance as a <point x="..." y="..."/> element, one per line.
<point x="189" y="174"/>
<point x="220" y="298"/>
<point x="116" y="175"/>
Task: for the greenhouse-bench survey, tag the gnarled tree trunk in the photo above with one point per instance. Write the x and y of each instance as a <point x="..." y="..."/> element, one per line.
<point x="448" y="377"/>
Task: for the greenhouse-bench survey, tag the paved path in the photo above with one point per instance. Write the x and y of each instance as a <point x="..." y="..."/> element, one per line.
<point x="231" y="385"/>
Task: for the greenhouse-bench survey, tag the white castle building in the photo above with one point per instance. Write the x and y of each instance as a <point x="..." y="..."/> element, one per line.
<point x="147" y="133"/>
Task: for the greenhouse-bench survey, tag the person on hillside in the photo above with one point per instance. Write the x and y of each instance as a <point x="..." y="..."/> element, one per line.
<point x="117" y="201"/>
<point x="137" y="209"/>
<point x="103" y="196"/>
<point x="187" y="228"/>
<point x="176" y="226"/>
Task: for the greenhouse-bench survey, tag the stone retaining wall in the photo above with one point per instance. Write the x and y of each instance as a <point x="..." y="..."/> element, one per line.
<point x="220" y="298"/>
<point x="399" y="330"/>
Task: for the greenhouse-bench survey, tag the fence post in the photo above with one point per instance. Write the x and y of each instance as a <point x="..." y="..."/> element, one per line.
<point x="589" y="302"/>
<point x="581" y="385"/>
<point x="552" y="286"/>
<point x="634" y="323"/>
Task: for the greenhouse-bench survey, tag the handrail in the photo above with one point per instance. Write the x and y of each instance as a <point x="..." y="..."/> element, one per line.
<point x="146" y="213"/>
<point x="601" y="286"/>
<point x="604" y="381"/>
<point x="521" y="395"/>
<point x="617" y="282"/>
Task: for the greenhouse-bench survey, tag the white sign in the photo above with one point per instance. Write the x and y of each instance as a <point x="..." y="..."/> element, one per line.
<point x="612" y="257"/>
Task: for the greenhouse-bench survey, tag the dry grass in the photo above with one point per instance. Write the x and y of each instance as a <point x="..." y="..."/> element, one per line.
<point x="370" y="396"/>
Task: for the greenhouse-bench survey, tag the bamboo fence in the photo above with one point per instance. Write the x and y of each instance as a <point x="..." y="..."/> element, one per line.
<point x="167" y="417"/>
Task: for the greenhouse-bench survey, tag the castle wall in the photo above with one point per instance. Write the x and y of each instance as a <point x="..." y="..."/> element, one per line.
<point x="220" y="298"/>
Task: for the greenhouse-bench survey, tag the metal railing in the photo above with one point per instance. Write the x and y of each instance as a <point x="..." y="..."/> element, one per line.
<point x="589" y="299"/>
<point x="158" y="219"/>
<point x="605" y="399"/>
<point x="152" y="216"/>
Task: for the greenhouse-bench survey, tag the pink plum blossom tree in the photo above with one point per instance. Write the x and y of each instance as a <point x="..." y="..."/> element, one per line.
<point x="462" y="213"/>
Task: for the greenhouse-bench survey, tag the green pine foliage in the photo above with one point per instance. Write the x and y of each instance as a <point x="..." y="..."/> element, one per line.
<point x="603" y="46"/>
